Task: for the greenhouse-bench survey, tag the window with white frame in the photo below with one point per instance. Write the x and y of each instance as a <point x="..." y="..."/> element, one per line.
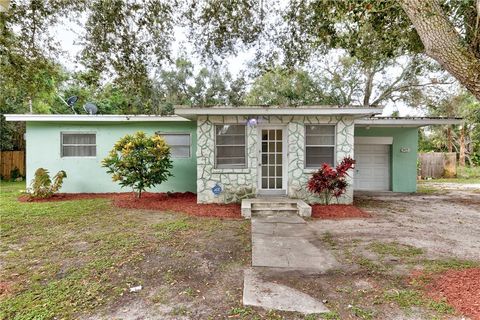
<point x="180" y="144"/>
<point x="319" y="145"/>
<point x="230" y="146"/>
<point x="79" y="144"/>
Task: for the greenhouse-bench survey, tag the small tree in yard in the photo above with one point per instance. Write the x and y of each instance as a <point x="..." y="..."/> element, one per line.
<point x="139" y="161"/>
<point x="328" y="182"/>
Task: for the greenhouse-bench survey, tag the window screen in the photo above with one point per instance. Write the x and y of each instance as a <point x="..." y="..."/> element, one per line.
<point x="319" y="145"/>
<point x="230" y="146"/>
<point x="79" y="145"/>
<point x="179" y="144"/>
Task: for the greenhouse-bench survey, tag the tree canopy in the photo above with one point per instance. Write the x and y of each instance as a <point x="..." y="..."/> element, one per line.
<point x="359" y="52"/>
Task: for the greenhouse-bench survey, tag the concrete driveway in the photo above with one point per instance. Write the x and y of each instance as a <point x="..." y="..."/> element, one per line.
<point x="353" y="264"/>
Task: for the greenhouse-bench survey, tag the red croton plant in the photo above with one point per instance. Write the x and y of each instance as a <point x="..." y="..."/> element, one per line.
<point x="328" y="182"/>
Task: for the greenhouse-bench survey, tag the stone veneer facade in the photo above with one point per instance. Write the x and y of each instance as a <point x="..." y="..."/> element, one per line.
<point x="237" y="184"/>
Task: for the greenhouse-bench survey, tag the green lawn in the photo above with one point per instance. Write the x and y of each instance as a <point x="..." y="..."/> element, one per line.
<point x="64" y="259"/>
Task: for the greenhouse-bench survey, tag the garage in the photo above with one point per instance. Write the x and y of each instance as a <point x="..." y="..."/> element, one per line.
<point x="372" y="167"/>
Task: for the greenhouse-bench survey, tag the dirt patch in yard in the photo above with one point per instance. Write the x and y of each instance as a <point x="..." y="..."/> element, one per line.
<point x="185" y="202"/>
<point x="460" y="288"/>
<point x="337" y="211"/>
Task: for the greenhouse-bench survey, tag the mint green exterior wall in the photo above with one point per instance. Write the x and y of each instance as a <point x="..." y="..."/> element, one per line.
<point x="87" y="174"/>
<point x="403" y="165"/>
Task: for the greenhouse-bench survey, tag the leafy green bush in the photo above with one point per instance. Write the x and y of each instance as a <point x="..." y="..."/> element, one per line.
<point x="15" y="174"/>
<point x="139" y="161"/>
<point x="43" y="186"/>
<point x="468" y="172"/>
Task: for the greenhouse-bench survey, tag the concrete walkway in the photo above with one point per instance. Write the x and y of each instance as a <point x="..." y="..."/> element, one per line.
<point x="288" y="242"/>
<point x="285" y="242"/>
<point x="271" y="295"/>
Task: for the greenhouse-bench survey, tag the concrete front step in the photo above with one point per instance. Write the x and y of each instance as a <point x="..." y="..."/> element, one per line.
<point x="271" y="207"/>
<point x="274" y="205"/>
<point x="274" y="212"/>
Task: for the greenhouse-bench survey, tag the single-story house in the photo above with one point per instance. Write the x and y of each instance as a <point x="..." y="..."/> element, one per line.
<point x="227" y="153"/>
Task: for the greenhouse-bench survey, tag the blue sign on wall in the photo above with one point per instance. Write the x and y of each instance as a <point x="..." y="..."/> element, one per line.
<point x="216" y="189"/>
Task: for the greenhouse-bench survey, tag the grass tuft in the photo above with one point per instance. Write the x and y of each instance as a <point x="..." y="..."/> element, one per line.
<point x="435" y="266"/>
<point x="167" y="229"/>
<point x="413" y="298"/>
<point x="395" y="249"/>
<point x="362" y="313"/>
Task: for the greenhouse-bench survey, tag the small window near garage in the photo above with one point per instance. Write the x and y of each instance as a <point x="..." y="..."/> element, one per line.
<point x="180" y="144"/>
<point x="79" y="144"/>
<point x="230" y="146"/>
<point x="319" y="145"/>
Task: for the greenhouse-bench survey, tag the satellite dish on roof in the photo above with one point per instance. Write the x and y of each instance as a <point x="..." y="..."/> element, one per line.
<point x="90" y="108"/>
<point x="71" y="101"/>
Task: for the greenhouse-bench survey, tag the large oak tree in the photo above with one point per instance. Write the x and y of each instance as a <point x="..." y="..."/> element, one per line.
<point x="444" y="43"/>
<point x="372" y="31"/>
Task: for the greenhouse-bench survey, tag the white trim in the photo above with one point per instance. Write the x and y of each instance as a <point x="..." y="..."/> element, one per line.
<point x="227" y="167"/>
<point x="62" y="133"/>
<point x="327" y="146"/>
<point x="91" y="118"/>
<point x="192" y="113"/>
<point x="373" y="140"/>
<point x="407" y="122"/>
<point x="163" y="133"/>
<point x="260" y="190"/>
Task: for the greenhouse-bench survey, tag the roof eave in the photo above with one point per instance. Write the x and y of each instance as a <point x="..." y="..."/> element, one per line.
<point x="91" y="118"/>
<point x="406" y="122"/>
<point x="193" y="113"/>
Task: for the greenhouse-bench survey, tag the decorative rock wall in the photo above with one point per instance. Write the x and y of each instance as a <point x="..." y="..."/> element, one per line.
<point x="298" y="175"/>
<point x="237" y="184"/>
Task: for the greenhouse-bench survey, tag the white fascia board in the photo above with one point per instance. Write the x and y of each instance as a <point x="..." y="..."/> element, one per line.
<point x="404" y="122"/>
<point x="194" y="112"/>
<point x="373" y="140"/>
<point x="90" y="118"/>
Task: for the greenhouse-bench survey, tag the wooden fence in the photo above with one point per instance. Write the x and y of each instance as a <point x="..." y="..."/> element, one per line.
<point x="10" y="160"/>
<point x="438" y="164"/>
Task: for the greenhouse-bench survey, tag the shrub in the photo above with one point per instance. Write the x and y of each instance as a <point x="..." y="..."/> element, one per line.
<point x="328" y="182"/>
<point x="15" y="174"/>
<point x="139" y="161"/>
<point x="44" y="187"/>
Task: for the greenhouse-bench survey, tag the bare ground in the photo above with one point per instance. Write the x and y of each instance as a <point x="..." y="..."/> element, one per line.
<point x="192" y="268"/>
<point x="443" y="225"/>
<point x="408" y="233"/>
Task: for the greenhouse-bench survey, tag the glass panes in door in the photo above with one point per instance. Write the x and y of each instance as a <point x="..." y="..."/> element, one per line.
<point x="272" y="159"/>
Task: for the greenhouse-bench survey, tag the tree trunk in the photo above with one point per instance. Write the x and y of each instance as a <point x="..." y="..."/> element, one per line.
<point x="461" y="158"/>
<point x="368" y="87"/>
<point x="443" y="43"/>
<point x="449" y="139"/>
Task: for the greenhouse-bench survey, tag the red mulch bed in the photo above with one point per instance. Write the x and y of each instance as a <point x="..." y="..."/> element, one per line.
<point x="460" y="288"/>
<point x="68" y="196"/>
<point x="337" y="211"/>
<point x="181" y="202"/>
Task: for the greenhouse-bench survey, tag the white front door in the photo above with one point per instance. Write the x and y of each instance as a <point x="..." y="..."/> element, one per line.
<point x="272" y="160"/>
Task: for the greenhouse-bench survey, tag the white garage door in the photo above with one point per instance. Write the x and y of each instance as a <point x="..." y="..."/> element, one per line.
<point x="372" y="167"/>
